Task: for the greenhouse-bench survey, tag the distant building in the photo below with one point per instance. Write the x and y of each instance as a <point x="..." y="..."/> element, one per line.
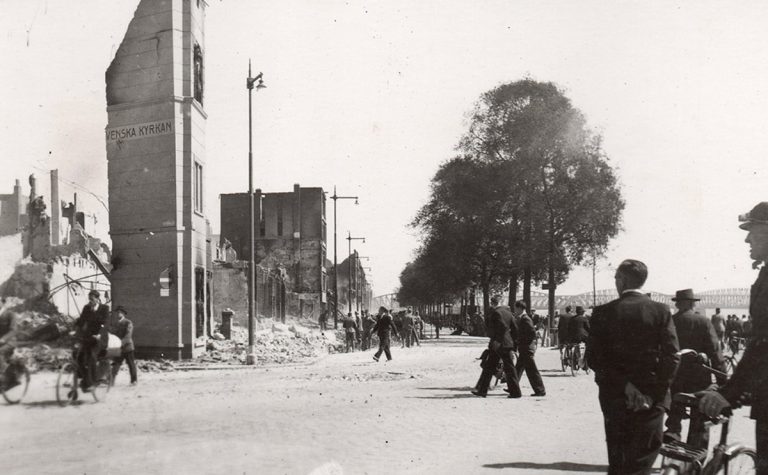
<point x="290" y="237"/>
<point x="13" y="214"/>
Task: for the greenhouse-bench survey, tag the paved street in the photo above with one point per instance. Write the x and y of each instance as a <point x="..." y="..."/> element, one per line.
<point x="341" y="414"/>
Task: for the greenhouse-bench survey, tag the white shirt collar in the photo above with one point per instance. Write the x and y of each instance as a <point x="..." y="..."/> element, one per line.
<point x="634" y="291"/>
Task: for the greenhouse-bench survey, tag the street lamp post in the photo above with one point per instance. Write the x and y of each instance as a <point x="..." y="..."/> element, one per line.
<point x="349" y="262"/>
<point x="335" y="198"/>
<point x="250" y="358"/>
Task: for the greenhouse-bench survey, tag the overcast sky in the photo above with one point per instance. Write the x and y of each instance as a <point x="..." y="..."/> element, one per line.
<point x="373" y="96"/>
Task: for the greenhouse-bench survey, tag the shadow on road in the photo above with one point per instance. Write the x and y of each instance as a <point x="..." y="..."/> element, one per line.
<point x="460" y="388"/>
<point x="38" y="404"/>
<point x="456" y="396"/>
<point x="559" y="466"/>
<point x="558" y="375"/>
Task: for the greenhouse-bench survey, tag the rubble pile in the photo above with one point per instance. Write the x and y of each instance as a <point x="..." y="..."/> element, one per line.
<point x="274" y="342"/>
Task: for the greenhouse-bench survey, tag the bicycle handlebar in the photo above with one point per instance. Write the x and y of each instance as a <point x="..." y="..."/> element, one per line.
<point x="692" y="401"/>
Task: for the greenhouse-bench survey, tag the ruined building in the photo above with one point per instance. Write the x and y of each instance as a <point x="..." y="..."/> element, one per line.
<point x="290" y="242"/>
<point x="155" y="140"/>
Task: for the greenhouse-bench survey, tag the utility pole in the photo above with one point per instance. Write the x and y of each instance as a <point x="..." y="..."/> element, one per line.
<point x="335" y="198"/>
<point x="349" y="265"/>
<point x="250" y="358"/>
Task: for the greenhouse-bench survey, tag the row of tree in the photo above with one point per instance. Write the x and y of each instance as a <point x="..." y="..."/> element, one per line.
<point x="529" y="195"/>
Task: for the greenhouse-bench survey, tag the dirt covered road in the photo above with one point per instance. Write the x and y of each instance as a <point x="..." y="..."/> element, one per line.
<point x="341" y="414"/>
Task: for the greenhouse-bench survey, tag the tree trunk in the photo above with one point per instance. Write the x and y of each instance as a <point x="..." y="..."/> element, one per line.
<point x="512" y="289"/>
<point x="527" y="287"/>
<point x="486" y="297"/>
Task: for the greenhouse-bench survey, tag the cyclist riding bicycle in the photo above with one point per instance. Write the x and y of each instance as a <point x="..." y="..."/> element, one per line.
<point x="88" y="331"/>
<point x="578" y="333"/>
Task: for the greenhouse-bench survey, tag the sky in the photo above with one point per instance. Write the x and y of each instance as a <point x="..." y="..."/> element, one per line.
<point x="371" y="97"/>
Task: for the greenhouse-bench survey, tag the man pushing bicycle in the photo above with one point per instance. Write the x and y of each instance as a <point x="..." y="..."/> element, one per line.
<point x="750" y="378"/>
<point x="88" y="333"/>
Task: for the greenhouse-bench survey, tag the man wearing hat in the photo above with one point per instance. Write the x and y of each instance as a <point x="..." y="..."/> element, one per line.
<point x="751" y="374"/>
<point x="696" y="332"/>
<point x="123" y="329"/>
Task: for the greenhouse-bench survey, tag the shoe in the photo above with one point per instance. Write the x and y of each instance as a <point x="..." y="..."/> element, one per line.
<point x="134" y="383"/>
<point x="478" y="393"/>
<point x="375" y="359"/>
<point x="512" y="396"/>
<point x="538" y="394"/>
<point x="72" y="395"/>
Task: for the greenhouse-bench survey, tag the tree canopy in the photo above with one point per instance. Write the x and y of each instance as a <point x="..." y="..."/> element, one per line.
<point x="532" y="191"/>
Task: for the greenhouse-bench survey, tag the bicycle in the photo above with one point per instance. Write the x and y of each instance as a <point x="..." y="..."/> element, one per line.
<point x="17" y="371"/>
<point x="67" y="382"/>
<point x="576" y="358"/>
<point x="683" y="458"/>
<point x="566" y="355"/>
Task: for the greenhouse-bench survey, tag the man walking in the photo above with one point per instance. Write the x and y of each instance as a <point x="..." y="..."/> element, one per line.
<point x="407" y="332"/>
<point x="526" y="346"/>
<point x="632" y="349"/>
<point x="751" y="374"/>
<point x="718" y="321"/>
<point x="503" y="334"/>
<point x="384" y="325"/>
<point x="694" y="331"/>
<point x="123" y="329"/>
<point x="350" y="330"/>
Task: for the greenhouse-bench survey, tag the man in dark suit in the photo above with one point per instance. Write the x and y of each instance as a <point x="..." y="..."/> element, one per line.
<point x="502" y="330"/>
<point x="564" y="328"/>
<point x="382" y="329"/>
<point x="88" y="331"/>
<point x="751" y="374"/>
<point x="578" y="332"/>
<point x="526" y="346"/>
<point x="694" y="331"/>
<point x="632" y="348"/>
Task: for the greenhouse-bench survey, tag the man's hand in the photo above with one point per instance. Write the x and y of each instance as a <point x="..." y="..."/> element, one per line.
<point x="636" y="401"/>
<point x="712" y="403"/>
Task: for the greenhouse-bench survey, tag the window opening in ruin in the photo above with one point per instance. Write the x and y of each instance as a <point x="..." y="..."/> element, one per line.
<point x="198" y="188"/>
<point x="199" y="301"/>
<point x="198" y="60"/>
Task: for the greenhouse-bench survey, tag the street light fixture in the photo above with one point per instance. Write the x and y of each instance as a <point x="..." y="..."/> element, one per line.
<point x="349" y="262"/>
<point x="335" y="198"/>
<point x="250" y="357"/>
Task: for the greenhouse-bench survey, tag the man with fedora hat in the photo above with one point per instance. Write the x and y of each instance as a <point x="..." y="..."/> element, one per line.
<point x="696" y="332"/>
<point x="751" y="374"/>
<point x="123" y="329"/>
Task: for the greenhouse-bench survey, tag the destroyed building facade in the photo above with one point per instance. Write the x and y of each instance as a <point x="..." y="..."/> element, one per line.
<point x="155" y="141"/>
<point x="289" y="240"/>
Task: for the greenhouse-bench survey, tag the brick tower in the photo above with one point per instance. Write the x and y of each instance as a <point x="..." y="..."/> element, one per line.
<point x="155" y="140"/>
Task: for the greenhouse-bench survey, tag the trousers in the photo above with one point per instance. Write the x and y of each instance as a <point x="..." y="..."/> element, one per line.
<point x="130" y="361"/>
<point x="507" y="357"/>
<point x="633" y="438"/>
<point x="526" y="363"/>
<point x="384" y="347"/>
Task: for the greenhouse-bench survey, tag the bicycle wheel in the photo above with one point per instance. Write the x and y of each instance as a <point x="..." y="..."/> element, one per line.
<point x="19" y="373"/>
<point x="103" y="381"/>
<point x="742" y="462"/>
<point x="66" y="384"/>
<point x="574" y="361"/>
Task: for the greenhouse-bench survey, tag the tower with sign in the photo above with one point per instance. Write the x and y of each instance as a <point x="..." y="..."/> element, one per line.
<point x="155" y="140"/>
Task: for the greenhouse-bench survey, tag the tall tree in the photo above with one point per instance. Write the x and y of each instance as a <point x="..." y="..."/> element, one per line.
<point x="571" y="202"/>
